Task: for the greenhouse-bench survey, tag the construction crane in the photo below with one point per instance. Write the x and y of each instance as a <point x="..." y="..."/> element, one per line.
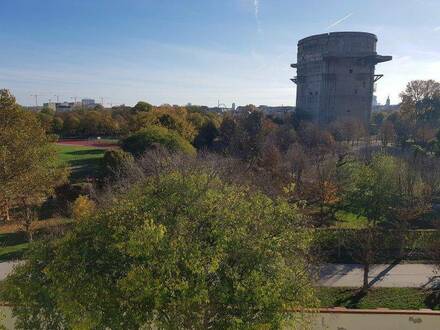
<point x="36" y="98"/>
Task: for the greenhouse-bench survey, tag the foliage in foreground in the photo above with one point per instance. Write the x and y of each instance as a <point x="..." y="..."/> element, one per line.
<point x="180" y="251"/>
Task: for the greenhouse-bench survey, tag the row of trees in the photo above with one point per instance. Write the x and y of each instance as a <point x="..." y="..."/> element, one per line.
<point x="123" y="120"/>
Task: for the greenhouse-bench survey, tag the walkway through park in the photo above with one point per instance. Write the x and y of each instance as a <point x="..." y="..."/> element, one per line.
<point x="385" y="276"/>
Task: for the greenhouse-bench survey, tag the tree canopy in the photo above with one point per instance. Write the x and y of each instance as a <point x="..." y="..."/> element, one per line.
<point x="150" y="136"/>
<point x="176" y="251"/>
<point x="29" y="171"/>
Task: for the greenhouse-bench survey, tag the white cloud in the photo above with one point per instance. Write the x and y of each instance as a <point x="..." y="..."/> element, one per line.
<point x="257" y="14"/>
<point x="437" y="29"/>
<point x="339" y="21"/>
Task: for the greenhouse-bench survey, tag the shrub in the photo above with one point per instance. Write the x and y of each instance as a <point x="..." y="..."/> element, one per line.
<point x="115" y="162"/>
<point x="82" y="208"/>
<point x="149" y="137"/>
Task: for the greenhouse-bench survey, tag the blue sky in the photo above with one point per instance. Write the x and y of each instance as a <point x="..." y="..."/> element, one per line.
<point x="180" y="51"/>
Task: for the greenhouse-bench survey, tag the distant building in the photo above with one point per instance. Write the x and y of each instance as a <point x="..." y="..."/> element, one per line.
<point x="61" y="106"/>
<point x="233" y="106"/>
<point x="50" y="105"/>
<point x="88" y="103"/>
<point x="275" y="110"/>
<point x="218" y="109"/>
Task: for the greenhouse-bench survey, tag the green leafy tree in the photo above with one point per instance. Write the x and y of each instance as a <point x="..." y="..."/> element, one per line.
<point x="115" y="163"/>
<point x="168" y="254"/>
<point x="372" y="189"/>
<point x="421" y="100"/>
<point x="29" y="171"/>
<point x="206" y="136"/>
<point x="388" y="194"/>
<point x="151" y="136"/>
<point x="142" y="106"/>
<point x="57" y="125"/>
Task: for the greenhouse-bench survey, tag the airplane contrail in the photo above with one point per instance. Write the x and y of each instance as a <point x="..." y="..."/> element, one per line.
<point x="339" y="21"/>
<point x="257" y="14"/>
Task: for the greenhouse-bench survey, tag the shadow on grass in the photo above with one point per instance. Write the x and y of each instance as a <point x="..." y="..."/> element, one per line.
<point x="84" y="162"/>
<point x="14" y="254"/>
<point x="86" y="152"/>
<point x="433" y="300"/>
<point x="84" y="168"/>
<point x="353" y="300"/>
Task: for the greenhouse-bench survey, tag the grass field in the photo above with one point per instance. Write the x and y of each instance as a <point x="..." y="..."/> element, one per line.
<point x="349" y="220"/>
<point x="392" y="298"/>
<point x="83" y="161"/>
<point x="13" y="241"/>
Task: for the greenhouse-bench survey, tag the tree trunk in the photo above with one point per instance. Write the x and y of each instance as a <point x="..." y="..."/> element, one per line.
<point x="28" y="223"/>
<point x="7" y="214"/>
<point x="366" y="272"/>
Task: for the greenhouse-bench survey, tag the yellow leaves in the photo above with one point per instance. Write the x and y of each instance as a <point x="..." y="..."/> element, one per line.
<point x="83" y="208"/>
<point x="290" y="188"/>
<point x="330" y="193"/>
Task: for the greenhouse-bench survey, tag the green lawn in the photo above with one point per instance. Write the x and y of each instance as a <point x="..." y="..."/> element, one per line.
<point x="83" y="161"/>
<point x="14" y="242"/>
<point x="393" y="298"/>
<point x="349" y="220"/>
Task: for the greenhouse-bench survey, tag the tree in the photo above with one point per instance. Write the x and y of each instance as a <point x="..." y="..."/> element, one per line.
<point x="363" y="245"/>
<point x="167" y="254"/>
<point x="206" y="136"/>
<point x="71" y="125"/>
<point x="115" y="163"/>
<point x="142" y="106"/>
<point x="29" y="171"/>
<point x="370" y="192"/>
<point x="149" y="137"/>
<point x="387" y="133"/>
<point x="388" y="194"/>
<point x="421" y="100"/>
<point x="57" y="125"/>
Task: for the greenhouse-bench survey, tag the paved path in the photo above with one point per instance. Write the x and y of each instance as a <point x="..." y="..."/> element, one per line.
<point x="386" y="276"/>
<point x="6" y="268"/>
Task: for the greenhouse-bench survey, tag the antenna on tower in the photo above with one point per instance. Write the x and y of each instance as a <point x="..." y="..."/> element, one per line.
<point x="74" y="98"/>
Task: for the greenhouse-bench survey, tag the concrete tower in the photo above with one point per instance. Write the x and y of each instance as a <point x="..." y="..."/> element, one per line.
<point x="336" y="75"/>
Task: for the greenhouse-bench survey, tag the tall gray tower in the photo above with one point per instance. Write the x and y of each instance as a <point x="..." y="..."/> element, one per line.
<point x="336" y="75"/>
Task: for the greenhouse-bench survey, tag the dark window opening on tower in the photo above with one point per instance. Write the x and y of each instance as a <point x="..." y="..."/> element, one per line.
<point x="355" y="91"/>
<point x="351" y="70"/>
